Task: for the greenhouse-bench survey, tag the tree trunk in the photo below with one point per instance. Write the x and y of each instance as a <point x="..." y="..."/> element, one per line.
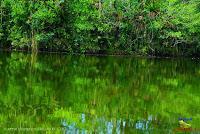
<point x="34" y="42"/>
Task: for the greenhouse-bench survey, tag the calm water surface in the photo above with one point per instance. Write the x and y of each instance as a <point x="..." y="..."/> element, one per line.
<point x="56" y="94"/>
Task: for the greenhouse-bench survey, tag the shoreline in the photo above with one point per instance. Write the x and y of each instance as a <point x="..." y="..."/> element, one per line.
<point x="106" y="53"/>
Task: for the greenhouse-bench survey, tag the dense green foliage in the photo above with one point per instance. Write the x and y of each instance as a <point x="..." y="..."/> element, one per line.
<point x="157" y="27"/>
<point x="43" y="93"/>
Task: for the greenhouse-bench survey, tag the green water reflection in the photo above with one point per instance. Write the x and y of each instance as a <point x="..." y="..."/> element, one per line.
<point x="54" y="93"/>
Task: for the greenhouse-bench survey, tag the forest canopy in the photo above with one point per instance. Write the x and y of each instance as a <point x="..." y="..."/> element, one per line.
<point x="149" y="27"/>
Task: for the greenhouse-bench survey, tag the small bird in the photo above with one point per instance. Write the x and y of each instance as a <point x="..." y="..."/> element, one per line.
<point x="184" y="124"/>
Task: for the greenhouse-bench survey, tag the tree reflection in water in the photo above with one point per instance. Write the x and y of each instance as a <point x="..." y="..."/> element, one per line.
<point x="97" y="94"/>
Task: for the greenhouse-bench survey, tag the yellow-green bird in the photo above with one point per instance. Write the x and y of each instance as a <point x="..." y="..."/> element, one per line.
<point x="184" y="124"/>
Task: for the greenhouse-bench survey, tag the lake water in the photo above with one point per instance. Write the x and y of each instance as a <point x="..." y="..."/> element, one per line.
<point x="54" y="93"/>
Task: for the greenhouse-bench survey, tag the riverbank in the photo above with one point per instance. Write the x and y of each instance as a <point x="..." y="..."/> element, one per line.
<point x="105" y="53"/>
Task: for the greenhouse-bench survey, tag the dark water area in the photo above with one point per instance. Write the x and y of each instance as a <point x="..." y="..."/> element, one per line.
<point x="52" y="93"/>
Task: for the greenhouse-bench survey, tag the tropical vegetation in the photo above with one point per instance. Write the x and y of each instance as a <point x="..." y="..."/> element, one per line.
<point x="149" y="27"/>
